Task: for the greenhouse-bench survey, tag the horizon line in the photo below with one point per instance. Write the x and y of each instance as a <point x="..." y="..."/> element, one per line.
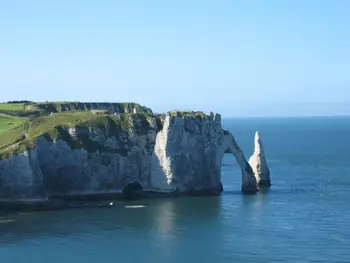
<point x="285" y="116"/>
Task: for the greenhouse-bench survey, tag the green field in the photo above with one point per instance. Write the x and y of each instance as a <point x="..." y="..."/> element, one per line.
<point x="12" y="106"/>
<point x="9" y="122"/>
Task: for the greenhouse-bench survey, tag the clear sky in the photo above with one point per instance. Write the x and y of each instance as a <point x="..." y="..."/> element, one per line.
<point x="256" y="58"/>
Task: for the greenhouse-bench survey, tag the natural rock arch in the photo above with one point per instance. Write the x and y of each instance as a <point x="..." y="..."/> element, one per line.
<point x="230" y="146"/>
<point x="182" y="145"/>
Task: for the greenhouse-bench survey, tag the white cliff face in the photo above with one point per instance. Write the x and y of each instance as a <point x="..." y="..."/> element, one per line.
<point x="21" y="179"/>
<point x="258" y="163"/>
<point x="185" y="155"/>
<point x="186" y="152"/>
<point x="161" y="169"/>
<point x="121" y="160"/>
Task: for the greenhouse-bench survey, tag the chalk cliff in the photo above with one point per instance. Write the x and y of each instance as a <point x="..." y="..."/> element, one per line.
<point x="258" y="163"/>
<point x="176" y="152"/>
<point x="188" y="155"/>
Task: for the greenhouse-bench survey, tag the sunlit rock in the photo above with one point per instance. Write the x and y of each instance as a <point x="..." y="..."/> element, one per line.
<point x="258" y="163"/>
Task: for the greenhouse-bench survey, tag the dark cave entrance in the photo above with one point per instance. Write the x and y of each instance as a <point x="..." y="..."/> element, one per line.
<point x="132" y="191"/>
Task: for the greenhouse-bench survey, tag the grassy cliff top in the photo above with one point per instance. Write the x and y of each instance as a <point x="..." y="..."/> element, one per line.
<point x="33" y="109"/>
<point x="196" y="114"/>
<point x="21" y="122"/>
<point x="9" y="122"/>
<point x="21" y="137"/>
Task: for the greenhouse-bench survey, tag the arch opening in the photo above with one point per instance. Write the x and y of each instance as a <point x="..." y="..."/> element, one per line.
<point x="230" y="147"/>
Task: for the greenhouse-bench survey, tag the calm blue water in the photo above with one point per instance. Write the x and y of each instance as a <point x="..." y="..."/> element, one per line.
<point x="305" y="216"/>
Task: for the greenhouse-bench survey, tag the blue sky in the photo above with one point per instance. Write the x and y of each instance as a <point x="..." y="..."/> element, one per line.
<point x="240" y="58"/>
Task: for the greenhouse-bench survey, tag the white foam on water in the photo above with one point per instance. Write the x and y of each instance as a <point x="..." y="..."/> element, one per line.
<point x="134" y="206"/>
<point x="6" y="221"/>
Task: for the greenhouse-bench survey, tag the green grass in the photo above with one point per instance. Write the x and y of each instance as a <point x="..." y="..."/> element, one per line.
<point x="34" y="128"/>
<point x="34" y="109"/>
<point x="99" y="112"/>
<point x="85" y="106"/>
<point x="12" y="106"/>
<point x="12" y="137"/>
<point x="10" y="122"/>
<point x="43" y="124"/>
<point x="55" y="127"/>
<point x="183" y="114"/>
<point x="88" y="119"/>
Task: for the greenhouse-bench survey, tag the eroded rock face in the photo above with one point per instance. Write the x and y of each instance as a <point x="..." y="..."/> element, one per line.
<point x="258" y="163"/>
<point x="21" y="179"/>
<point x="184" y="156"/>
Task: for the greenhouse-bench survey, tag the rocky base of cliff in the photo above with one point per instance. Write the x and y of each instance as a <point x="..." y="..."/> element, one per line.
<point x="264" y="183"/>
<point x="248" y="190"/>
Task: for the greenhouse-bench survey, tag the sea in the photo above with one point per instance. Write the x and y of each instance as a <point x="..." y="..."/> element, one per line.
<point x="304" y="217"/>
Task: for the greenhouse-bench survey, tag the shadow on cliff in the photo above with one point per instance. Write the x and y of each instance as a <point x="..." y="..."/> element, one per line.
<point x="160" y="216"/>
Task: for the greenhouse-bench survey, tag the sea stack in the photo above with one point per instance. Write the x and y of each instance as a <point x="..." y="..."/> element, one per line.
<point x="258" y="163"/>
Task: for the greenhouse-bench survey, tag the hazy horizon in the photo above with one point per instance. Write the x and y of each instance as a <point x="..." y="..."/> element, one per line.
<point x="239" y="58"/>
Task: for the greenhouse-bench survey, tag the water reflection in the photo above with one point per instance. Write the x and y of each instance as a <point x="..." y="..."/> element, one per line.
<point x="161" y="216"/>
